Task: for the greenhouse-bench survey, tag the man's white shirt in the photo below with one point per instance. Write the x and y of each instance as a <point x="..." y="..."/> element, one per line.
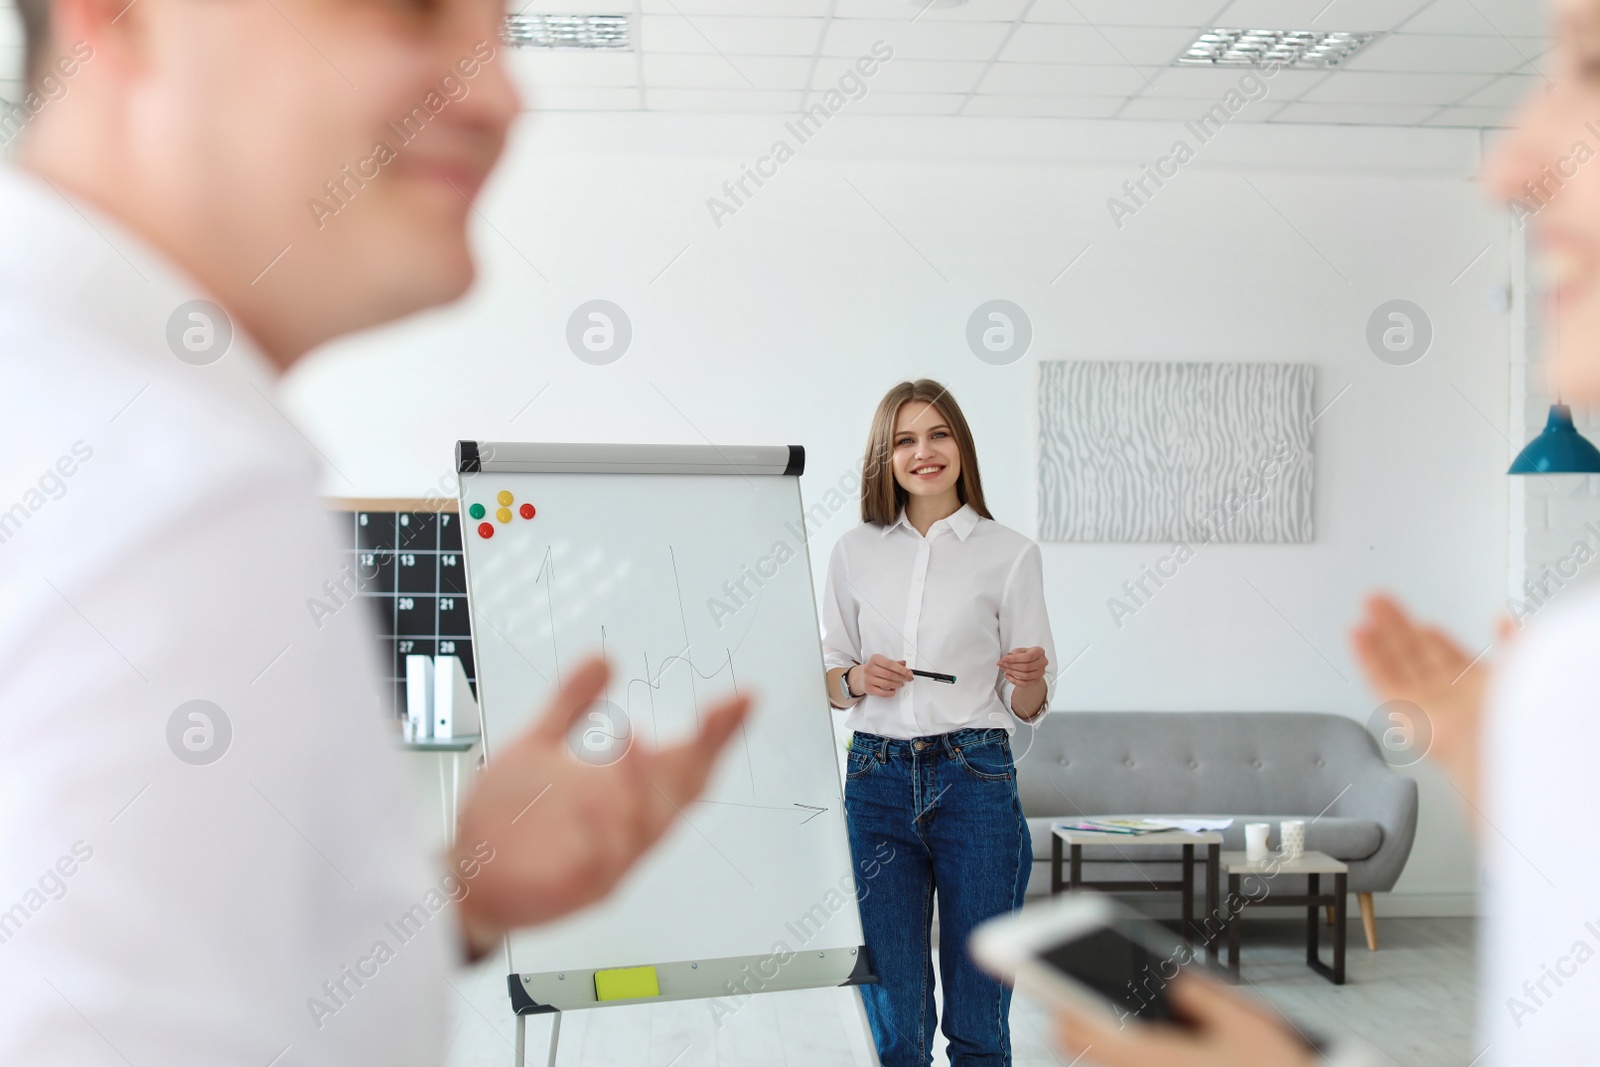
<point x="160" y="537"/>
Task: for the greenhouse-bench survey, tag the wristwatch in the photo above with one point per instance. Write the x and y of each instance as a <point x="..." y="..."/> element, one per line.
<point x="844" y="683"/>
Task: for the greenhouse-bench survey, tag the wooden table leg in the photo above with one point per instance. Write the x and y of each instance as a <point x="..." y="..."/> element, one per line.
<point x="1188" y="894"/>
<point x="1313" y="938"/>
<point x="1055" y="865"/>
<point x="1235" y="907"/>
<point x="1339" y="891"/>
<point x="1213" y="893"/>
<point x="1336" y="900"/>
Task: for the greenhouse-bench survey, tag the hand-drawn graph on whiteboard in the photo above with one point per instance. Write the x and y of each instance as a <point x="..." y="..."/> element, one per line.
<point x="1191" y="452"/>
<point x="628" y="549"/>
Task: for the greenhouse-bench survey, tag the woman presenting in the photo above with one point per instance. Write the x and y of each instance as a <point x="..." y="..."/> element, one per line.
<point x="929" y="582"/>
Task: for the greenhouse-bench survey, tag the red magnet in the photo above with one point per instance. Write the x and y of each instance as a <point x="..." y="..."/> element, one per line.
<point x="527" y="511"/>
<point x="485" y="529"/>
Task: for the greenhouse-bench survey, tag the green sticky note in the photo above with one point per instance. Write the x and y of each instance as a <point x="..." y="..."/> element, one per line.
<point x="626" y="983"/>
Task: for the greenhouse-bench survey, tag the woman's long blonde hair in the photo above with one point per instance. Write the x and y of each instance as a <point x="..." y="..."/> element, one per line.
<point x="881" y="496"/>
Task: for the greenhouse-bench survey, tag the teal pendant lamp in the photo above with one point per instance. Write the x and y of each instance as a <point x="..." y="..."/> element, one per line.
<point x="1561" y="449"/>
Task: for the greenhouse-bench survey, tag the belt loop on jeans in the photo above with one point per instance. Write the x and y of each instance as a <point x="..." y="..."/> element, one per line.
<point x="883" y="750"/>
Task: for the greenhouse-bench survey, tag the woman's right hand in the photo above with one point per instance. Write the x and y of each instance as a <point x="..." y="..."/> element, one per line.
<point x="883" y="677"/>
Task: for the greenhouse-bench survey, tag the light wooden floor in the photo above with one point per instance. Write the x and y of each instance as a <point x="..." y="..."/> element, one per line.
<point x="1412" y="1001"/>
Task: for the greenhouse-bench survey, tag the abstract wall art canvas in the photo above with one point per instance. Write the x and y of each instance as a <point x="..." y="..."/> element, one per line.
<point x="1170" y="452"/>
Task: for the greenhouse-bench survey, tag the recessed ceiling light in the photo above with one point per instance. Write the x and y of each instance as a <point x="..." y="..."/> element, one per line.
<point x="1287" y="48"/>
<point x="567" y="31"/>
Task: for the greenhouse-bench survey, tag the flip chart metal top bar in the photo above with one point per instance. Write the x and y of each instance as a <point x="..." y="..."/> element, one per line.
<point x="559" y="458"/>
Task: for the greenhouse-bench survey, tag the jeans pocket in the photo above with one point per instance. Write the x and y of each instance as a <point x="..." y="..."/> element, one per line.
<point x="859" y="765"/>
<point x="987" y="763"/>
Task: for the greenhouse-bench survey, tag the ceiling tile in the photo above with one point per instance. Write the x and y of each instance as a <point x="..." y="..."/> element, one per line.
<point x="1044" y="79"/>
<point x="1191" y="110"/>
<point x="766" y="100"/>
<point x="1447" y="53"/>
<point x="1212" y="83"/>
<point x="1505" y="92"/>
<point x="1374" y="87"/>
<point x="1545" y="67"/>
<point x="1495" y="18"/>
<point x="561" y="98"/>
<point x="1483" y="117"/>
<point x="725" y="72"/>
<point x="716" y="33"/>
<point x="770" y="8"/>
<point x="1061" y="107"/>
<point x="541" y="67"/>
<point x="908" y="10"/>
<point x="1347" y="15"/>
<point x="1187" y="13"/>
<point x="1355" y="114"/>
<point x="915" y="40"/>
<point x="905" y="75"/>
<point x="573" y="7"/>
<point x="1148" y="46"/>
<point x="907" y="104"/>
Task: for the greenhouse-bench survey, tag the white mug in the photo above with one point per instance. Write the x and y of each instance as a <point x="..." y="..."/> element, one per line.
<point x="1255" y="840"/>
<point x="1292" y="838"/>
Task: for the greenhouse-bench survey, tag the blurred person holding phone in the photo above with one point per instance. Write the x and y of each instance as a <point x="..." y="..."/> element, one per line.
<point x="1518" y="742"/>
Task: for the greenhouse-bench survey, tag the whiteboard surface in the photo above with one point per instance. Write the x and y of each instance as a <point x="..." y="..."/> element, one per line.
<point x="631" y="564"/>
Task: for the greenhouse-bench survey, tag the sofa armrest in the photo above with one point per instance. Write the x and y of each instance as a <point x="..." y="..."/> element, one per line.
<point x="1388" y="798"/>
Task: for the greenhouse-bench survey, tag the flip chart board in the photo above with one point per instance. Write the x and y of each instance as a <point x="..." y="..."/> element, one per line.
<point x="686" y="566"/>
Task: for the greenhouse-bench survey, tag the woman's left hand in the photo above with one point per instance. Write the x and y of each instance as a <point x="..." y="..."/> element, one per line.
<point x="1024" y="666"/>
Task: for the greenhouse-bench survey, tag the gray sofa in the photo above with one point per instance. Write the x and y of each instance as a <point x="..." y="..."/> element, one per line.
<point x="1252" y="766"/>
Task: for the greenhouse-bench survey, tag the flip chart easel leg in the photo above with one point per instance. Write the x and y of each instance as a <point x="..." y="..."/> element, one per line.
<point x="444" y="802"/>
<point x="555" y="1036"/>
<point x="522" y="1042"/>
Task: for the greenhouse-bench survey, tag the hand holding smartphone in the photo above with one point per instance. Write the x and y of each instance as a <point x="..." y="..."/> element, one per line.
<point x="1112" y="977"/>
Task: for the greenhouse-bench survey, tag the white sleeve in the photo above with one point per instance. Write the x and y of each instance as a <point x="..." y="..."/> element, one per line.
<point x="1538" y="976"/>
<point x="841" y="632"/>
<point x="1024" y="622"/>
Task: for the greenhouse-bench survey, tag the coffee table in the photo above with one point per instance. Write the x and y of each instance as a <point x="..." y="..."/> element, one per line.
<point x="1313" y="865"/>
<point x="1064" y="839"/>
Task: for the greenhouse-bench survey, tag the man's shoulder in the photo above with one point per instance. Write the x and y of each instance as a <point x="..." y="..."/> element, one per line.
<point x="105" y="445"/>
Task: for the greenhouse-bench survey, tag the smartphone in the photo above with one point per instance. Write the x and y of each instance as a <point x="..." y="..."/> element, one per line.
<point x="1088" y="950"/>
<point x="1103" y="958"/>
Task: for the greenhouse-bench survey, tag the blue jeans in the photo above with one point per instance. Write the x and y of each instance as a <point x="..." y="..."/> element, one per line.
<point x="947" y="808"/>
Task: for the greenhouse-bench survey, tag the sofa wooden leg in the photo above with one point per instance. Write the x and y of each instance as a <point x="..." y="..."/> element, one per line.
<point x="1369" y="920"/>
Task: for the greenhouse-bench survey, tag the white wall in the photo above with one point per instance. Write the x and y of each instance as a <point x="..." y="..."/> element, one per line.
<point x="860" y="263"/>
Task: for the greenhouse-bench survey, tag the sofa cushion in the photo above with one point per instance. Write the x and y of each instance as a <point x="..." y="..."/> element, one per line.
<point x="1343" y="839"/>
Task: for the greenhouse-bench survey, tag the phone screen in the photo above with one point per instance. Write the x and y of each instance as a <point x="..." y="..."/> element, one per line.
<point x="1118" y="968"/>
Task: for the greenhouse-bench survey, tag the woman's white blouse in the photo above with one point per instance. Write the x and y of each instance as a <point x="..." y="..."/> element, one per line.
<point x="953" y="602"/>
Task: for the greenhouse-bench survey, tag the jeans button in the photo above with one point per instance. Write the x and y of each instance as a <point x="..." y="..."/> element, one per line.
<point x="919" y="745"/>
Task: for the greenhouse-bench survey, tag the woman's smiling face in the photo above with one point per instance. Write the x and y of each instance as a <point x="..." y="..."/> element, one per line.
<point x="1550" y="162"/>
<point x="927" y="461"/>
